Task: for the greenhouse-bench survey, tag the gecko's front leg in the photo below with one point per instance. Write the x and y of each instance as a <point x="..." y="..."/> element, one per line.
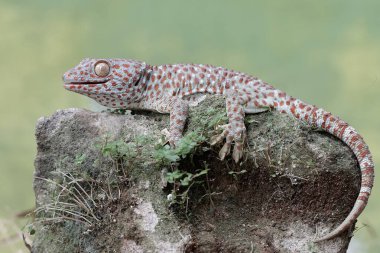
<point x="178" y="115"/>
<point x="234" y="131"/>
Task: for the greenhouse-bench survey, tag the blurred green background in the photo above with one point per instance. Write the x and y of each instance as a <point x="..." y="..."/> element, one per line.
<point x="325" y="52"/>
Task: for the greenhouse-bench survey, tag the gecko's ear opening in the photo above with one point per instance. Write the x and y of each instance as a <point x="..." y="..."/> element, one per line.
<point x="141" y="77"/>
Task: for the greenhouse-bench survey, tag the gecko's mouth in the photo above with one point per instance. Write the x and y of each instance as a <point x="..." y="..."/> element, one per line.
<point x="85" y="82"/>
<point x="84" y="86"/>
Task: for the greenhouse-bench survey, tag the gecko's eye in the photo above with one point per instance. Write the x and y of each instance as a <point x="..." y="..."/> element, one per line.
<point x="102" y="68"/>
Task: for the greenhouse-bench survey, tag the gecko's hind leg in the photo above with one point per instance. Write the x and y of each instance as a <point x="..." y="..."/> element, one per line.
<point x="233" y="131"/>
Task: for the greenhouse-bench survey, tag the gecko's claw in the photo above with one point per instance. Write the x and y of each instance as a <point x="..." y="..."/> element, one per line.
<point x="237" y="153"/>
<point x="238" y="136"/>
<point x="173" y="141"/>
<point x="225" y="150"/>
<point x="170" y="138"/>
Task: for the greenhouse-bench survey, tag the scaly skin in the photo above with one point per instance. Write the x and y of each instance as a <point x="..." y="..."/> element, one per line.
<point x="129" y="84"/>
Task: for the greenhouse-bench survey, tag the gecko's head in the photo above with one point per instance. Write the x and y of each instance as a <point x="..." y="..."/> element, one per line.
<point x="111" y="82"/>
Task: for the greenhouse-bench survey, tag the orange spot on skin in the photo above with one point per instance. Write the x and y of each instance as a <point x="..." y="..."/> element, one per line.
<point x="367" y="171"/>
<point x="293" y="110"/>
<point x="363" y="154"/>
<point x="354" y="139"/>
<point x="342" y="131"/>
<point x="360" y="146"/>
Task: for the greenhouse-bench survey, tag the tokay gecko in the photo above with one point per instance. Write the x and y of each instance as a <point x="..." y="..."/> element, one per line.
<point x="131" y="84"/>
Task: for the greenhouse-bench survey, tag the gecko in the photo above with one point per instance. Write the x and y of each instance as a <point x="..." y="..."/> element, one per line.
<point x="172" y="88"/>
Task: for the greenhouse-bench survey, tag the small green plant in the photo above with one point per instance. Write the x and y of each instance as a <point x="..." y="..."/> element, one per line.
<point x="79" y="159"/>
<point x="119" y="149"/>
<point x="182" y="182"/>
<point x="165" y="155"/>
<point x="186" y="146"/>
<point x="235" y="174"/>
<point x="312" y="248"/>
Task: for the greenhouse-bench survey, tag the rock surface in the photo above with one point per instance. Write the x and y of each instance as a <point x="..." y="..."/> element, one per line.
<point x="101" y="188"/>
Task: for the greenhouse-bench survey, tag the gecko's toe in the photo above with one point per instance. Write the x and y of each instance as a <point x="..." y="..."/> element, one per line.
<point x="218" y="138"/>
<point x="225" y="150"/>
<point x="173" y="141"/>
<point x="237" y="153"/>
<point x="166" y="134"/>
<point x="239" y="138"/>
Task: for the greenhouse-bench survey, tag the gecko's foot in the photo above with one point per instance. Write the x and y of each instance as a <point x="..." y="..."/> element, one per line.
<point x="169" y="138"/>
<point x="174" y="141"/>
<point x="238" y="135"/>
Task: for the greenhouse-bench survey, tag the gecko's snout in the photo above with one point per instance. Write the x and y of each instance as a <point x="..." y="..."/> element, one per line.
<point x="64" y="77"/>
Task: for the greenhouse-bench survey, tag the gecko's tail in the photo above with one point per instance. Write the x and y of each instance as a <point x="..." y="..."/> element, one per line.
<point x="320" y="118"/>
